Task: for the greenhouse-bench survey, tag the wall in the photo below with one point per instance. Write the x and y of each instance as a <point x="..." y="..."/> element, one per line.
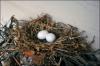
<point x="82" y="14"/>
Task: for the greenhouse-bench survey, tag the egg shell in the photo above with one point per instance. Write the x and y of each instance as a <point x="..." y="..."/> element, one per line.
<point x="50" y="37"/>
<point x="42" y="34"/>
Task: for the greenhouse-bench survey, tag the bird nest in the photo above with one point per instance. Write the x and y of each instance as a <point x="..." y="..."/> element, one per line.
<point x="68" y="40"/>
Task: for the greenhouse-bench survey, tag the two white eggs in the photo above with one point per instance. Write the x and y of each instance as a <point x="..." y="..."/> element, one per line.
<point x="44" y="34"/>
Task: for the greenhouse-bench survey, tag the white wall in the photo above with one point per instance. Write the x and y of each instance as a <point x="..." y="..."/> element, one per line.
<point x="82" y="14"/>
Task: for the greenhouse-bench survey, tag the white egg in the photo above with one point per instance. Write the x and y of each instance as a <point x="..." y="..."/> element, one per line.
<point x="42" y="34"/>
<point x="50" y="37"/>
